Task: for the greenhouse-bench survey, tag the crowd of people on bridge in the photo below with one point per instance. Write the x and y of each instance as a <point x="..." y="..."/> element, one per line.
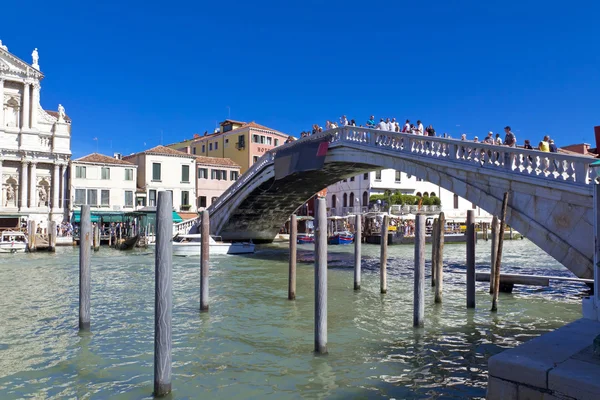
<point x="391" y="125"/>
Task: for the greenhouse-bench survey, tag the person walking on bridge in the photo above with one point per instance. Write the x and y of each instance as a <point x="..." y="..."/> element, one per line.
<point x="371" y="122"/>
<point x="510" y="139"/>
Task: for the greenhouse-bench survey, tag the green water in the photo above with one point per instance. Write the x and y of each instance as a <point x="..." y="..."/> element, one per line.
<point x="254" y="343"/>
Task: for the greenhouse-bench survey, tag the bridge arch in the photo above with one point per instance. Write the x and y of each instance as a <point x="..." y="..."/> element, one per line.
<point x="555" y="214"/>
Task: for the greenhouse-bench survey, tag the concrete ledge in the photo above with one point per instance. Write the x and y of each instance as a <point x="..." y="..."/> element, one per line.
<point x="558" y="364"/>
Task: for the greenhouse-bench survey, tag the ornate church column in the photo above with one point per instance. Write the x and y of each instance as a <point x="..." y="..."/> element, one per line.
<point x="1" y="187"/>
<point x="1" y="102"/>
<point x="35" y="101"/>
<point x="55" y="187"/>
<point x="23" y="185"/>
<point x="63" y="186"/>
<point x="33" y="186"/>
<point x="26" y="120"/>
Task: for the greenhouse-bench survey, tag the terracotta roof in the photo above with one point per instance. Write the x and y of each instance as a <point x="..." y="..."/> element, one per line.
<point x="232" y="121"/>
<point x="246" y="125"/>
<point x="162" y="150"/>
<point x="55" y="115"/>
<point x="102" y="159"/>
<point x="226" y="162"/>
<point x="575" y="153"/>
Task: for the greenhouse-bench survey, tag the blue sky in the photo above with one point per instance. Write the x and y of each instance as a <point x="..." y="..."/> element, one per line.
<point x="127" y="71"/>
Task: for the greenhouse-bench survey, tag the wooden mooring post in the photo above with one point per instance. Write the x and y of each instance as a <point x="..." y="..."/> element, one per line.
<point x="471" y="239"/>
<point x="499" y="253"/>
<point x="31" y="235"/>
<point x="434" y="232"/>
<point x="321" y="277"/>
<point x="439" y="253"/>
<point x="293" y="257"/>
<point x="85" y="250"/>
<point x="495" y="232"/>
<point x="52" y="233"/>
<point x="96" y="240"/>
<point x="204" y="260"/>
<point x="357" y="251"/>
<point x="163" y="295"/>
<point x="419" y="286"/>
<point x="383" y="255"/>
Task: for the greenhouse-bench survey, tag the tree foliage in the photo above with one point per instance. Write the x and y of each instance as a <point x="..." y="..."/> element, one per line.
<point x="404" y="199"/>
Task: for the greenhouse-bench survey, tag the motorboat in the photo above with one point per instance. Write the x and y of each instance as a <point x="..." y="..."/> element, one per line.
<point x="344" y="237"/>
<point x="305" y="238"/>
<point x="13" y="242"/>
<point x="339" y="226"/>
<point x="189" y="245"/>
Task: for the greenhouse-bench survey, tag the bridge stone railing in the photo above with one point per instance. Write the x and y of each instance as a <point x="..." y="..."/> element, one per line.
<point x="560" y="167"/>
<point x="564" y="168"/>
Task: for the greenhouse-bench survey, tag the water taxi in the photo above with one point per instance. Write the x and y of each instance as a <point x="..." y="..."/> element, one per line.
<point x="13" y="242"/>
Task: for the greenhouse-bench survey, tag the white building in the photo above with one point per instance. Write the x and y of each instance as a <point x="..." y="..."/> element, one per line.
<point x="35" y="145"/>
<point x="352" y="194"/>
<point x="105" y="183"/>
<point x="165" y="169"/>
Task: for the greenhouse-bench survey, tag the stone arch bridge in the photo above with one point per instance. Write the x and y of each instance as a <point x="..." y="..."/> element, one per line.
<point x="551" y="200"/>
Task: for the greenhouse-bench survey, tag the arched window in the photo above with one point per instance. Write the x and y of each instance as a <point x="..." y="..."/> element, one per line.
<point x="419" y="194"/>
<point x="432" y="194"/>
<point x="351" y="199"/>
<point x="425" y="194"/>
<point x="345" y="200"/>
<point x="333" y="201"/>
<point x="365" y="201"/>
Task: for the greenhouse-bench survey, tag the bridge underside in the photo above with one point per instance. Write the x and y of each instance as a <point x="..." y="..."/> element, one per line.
<point x="261" y="215"/>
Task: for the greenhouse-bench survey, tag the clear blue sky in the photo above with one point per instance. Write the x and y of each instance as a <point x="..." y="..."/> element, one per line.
<point x="127" y="70"/>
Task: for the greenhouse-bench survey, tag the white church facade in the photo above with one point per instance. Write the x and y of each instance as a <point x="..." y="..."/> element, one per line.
<point x="35" y="145"/>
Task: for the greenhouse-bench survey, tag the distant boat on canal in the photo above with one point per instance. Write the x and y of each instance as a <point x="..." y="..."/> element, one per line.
<point x="189" y="245"/>
<point x="306" y="238"/>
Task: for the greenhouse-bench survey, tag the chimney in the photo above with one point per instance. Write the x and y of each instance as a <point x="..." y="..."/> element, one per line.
<point x="118" y="156"/>
<point x="597" y="136"/>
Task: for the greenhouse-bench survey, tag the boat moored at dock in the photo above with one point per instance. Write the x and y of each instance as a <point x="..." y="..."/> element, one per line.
<point x="13" y="242"/>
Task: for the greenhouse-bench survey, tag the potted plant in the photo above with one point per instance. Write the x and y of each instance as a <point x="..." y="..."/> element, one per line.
<point x="185" y="207"/>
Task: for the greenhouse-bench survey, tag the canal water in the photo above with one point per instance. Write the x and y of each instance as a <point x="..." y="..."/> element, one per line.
<point x="254" y="343"/>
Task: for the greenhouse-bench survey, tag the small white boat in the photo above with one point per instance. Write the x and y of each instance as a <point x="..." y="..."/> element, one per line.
<point x="189" y="245"/>
<point x="13" y="242"/>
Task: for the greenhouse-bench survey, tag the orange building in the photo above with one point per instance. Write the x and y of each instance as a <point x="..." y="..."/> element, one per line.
<point x="242" y="142"/>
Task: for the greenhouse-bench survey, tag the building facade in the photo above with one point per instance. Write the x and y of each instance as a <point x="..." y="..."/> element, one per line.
<point x="353" y="194"/>
<point x="214" y="175"/>
<point x="164" y="169"/>
<point x="105" y="183"/>
<point x="243" y="143"/>
<point x="35" y="145"/>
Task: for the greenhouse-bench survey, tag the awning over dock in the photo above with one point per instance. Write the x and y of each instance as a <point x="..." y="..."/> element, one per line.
<point x="97" y="216"/>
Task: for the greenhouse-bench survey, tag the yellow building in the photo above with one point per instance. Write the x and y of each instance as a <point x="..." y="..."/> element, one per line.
<point x="242" y="142"/>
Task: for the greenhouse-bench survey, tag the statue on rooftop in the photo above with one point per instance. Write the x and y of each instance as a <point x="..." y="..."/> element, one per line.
<point x="61" y="113"/>
<point x="2" y="46"/>
<point x="35" y="56"/>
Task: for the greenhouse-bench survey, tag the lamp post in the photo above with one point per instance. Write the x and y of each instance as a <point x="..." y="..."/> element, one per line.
<point x="591" y="306"/>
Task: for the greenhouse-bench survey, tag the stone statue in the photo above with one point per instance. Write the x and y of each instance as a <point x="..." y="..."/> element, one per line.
<point x="2" y="46"/>
<point x="35" y="56"/>
<point x="61" y="113"/>
<point x="43" y="196"/>
<point x="10" y="195"/>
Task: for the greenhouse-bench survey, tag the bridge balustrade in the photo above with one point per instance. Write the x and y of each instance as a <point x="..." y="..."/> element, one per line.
<point x="568" y="169"/>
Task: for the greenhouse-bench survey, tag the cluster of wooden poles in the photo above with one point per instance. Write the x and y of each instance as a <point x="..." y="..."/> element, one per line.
<point x="32" y="244"/>
<point x="163" y="300"/>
